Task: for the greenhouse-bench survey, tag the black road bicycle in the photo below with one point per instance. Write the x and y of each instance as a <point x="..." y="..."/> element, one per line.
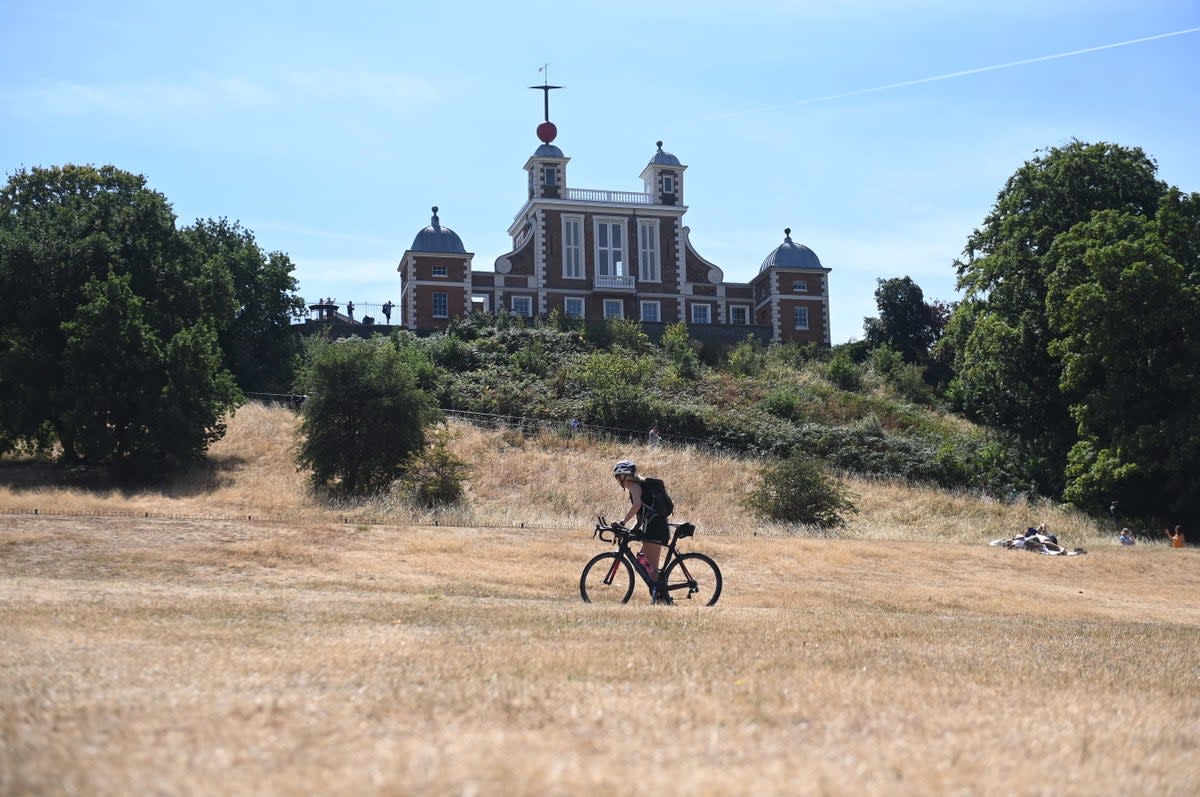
<point x="608" y="577"/>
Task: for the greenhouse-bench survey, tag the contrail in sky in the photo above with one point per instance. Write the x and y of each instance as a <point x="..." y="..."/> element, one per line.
<point x="965" y="72"/>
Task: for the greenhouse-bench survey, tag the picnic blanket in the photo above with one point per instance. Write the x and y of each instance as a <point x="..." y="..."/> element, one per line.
<point x="1036" y="543"/>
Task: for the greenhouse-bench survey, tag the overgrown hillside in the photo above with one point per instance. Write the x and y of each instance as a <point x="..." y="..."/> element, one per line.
<point x="875" y="418"/>
<point x="547" y="480"/>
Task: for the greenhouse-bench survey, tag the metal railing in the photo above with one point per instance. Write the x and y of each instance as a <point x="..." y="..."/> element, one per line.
<point x="352" y="312"/>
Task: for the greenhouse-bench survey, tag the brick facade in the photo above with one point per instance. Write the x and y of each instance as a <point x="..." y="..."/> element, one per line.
<point x="597" y="254"/>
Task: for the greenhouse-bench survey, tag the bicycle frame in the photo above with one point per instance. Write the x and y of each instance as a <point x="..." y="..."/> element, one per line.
<point x="625" y="552"/>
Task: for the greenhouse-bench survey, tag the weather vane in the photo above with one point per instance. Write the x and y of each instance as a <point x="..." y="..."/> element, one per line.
<point x="545" y="88"/>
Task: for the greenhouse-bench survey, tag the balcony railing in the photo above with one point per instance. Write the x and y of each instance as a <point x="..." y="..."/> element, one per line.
<point x="594" y="195"/>
<point x="611" y="282"/>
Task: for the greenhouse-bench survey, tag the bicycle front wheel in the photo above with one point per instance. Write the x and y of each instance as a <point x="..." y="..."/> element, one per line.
<point x="608" y="578"/>
<point x="694" y="577"/>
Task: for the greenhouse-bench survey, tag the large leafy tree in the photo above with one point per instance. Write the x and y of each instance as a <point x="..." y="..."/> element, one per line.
<point x="999" y="336"/>
<point x="364" y="417"/>
<point x="1123" y="302"/>
<point x="108" y="341"/>
<point x="257" y="339"/>
<point x="906" y="322"/>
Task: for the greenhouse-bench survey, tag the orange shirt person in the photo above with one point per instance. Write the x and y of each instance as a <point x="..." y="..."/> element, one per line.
<point x="1177" y="540"/>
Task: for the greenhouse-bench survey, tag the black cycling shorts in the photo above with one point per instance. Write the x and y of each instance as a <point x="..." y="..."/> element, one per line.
<point x="657" y="531"/>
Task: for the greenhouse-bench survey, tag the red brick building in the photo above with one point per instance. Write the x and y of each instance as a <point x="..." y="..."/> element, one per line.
<point x="596" y="254"/>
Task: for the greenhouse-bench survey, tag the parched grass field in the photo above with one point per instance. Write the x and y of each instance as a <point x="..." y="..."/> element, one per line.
<point x="358" y="650"/>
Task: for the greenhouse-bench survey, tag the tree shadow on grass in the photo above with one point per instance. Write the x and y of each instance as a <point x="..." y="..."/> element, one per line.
<point x="30" y="474"/>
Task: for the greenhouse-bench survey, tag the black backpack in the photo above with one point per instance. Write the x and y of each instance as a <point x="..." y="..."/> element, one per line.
<point x="655" y="496"/>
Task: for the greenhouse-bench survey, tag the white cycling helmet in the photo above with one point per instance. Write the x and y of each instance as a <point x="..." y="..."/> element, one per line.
<point x="624" y="468"/>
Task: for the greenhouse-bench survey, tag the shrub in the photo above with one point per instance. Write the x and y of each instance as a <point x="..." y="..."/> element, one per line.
<point x="842" y="372"/>
<point x="682" y="350"/>
<point x="436" y="475"/>
<point x="885" y="361"/>
<point x="628" y="333"/>
<point x="796" y="355"/>
<point x="364" y="416"/>
<point x="910" y="384"/>
<point x="748" y="357"/>
<point x="782" y="402"/>
<point x="615" y="386"/>
<point x="450" y="351"/>
<point x="797" y="490"/>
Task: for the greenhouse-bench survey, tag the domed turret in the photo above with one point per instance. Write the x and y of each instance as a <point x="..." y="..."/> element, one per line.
<point x="663" y="178"/>
<point x="436" y="238"/>
<point x="790" y="254"/>
<point x="663" y="158"/>
<point x="548" y="151"/>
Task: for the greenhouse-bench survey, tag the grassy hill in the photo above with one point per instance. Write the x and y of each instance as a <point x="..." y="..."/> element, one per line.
<point x="876" y="417"/>
<point x="356" y="651"/>
<point x="548" y="479"/>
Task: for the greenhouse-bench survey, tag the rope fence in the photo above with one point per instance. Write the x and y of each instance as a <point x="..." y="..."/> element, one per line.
<point x="530" y="425"/>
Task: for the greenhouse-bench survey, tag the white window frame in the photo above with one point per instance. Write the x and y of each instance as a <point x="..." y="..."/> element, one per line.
<point x="573" y="250"/>
<point x="707" y="308"/>
<point x="799" y="286"/>
<point x="608" y="255"/>
<point x="648" y="260"/>
<point x="647" y="304"/>
<point x="526" y="302"/>
<point x="614" y="303"/>
<point x="735" y="308"/>
<point x="578" y="302"/>
<point x="668" y="183"/>
<point x="445" y="302"/>
<point x="550" y="175"/>
<point x="441" y="271"/>
<point x="800" y="317"/>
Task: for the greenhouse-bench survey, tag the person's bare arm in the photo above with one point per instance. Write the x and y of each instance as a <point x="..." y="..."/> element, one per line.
<point x="635" y="494"/>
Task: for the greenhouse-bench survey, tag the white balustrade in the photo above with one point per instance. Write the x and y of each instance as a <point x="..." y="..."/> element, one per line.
<point x="614" y="282"/>
<point x="595" y="195"/>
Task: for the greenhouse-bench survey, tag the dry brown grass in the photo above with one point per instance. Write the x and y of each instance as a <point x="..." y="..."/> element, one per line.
<point x="545" y="481"/>
<point x="175" y="656"/>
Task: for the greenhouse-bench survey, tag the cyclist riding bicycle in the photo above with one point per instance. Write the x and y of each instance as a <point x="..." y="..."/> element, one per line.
<point x="653" y="525"/>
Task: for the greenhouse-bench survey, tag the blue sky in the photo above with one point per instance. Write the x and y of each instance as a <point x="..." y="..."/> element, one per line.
<point x="880" y="132"/>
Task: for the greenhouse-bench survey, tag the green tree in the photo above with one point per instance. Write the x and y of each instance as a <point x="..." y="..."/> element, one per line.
<point x="436" y="475"/>
<point x="999" y="335"/>
<point x="107" y="342"/>
<point x="364" y="417"/>
<point x="906" y="322"/>
<point x="259" y="343"/>
<point x="798" y="490"/>
<point x="1126" y="317"/>
<point x="682" y="350"/>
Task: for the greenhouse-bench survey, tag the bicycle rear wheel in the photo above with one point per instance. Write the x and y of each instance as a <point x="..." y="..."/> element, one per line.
<point x="694" y="577"/>
<point x="608" y="578"/>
